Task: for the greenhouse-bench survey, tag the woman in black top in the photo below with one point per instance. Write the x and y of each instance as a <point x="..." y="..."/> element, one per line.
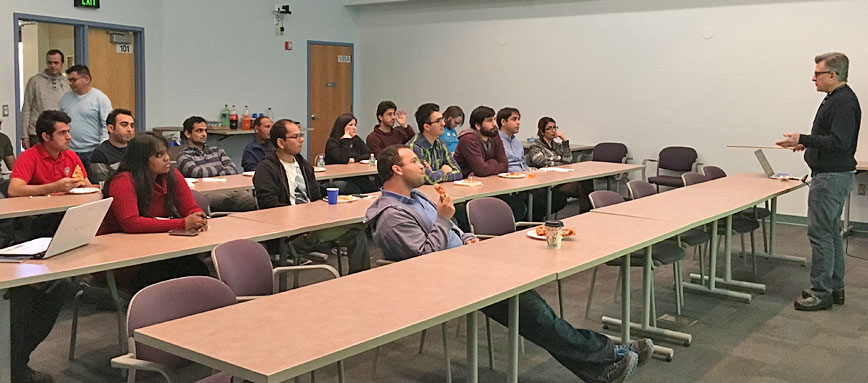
<point x="344" y="146"/>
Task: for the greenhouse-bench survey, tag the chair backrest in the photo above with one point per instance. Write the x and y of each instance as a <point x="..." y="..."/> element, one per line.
<point x="640" y="189"/>
<point x="603" y="198"/>
<point x="203" y="201"/>
<point x="174" y="151"/>
<point x="693" y="178"/>
<point x="244" y="266"/>
<point x="677" y="158"/>
<point x="713" y="172"/>
<point x="173" y="299"/>
<point x="609" y="152"/>
<point x="490" y="216"/>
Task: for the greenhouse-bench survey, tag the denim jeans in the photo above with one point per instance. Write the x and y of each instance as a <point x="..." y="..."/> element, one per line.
<point x="584" y="352"/>
<point x="34" y="311"/>
<point x="825" y="203"/>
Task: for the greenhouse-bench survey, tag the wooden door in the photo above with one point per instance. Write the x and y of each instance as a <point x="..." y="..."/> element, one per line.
<point x="112" y="67"/>
<point x="330" y="91"/>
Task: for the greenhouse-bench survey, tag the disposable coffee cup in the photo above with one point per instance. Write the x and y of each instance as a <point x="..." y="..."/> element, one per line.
<point x="554" y="234"/>
<point x="333" y="195"/>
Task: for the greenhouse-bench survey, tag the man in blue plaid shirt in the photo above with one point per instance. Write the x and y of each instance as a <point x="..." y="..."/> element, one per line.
<point x="439" y="166"/>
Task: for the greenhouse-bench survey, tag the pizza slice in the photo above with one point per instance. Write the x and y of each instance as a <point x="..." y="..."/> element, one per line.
<point x="78" y="174"/>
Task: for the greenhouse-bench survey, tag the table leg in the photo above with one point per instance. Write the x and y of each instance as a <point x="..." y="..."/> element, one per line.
<point x="513" y="340"/>
<point x="283" y="254"/>
<point x="625" y="299"/>
<point x="712" y="272"/>
<point x="113" y="289"/>
<point x="773" y="219"/>
<point x="647" y="327"/>
<point x="529" y="207"/>
<point x="472" y="349"/>
<point x="549" y="202"/>
<point x="5" y="342"/>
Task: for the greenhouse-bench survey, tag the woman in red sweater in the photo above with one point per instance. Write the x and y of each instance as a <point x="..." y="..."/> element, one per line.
<point x="152" y="197"/>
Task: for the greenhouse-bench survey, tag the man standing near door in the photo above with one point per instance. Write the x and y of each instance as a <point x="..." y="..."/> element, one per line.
<point x="88" y="107"/>
<point x="43" y="91"/>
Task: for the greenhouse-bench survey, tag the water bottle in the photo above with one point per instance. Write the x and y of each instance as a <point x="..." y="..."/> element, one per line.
<point x="320" y="161"/>
<point x="372" y="161"/>
<point x="269" y="113"/>
<point x="224" y="116"/>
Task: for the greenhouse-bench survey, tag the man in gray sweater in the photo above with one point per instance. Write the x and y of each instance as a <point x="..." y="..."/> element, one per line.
<point x="43" y="91"/>
<point x="407" y="224"/>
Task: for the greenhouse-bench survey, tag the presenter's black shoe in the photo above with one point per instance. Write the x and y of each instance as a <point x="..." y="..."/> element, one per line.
<point x="813" y="303"/>
<point x="837" y="296"/>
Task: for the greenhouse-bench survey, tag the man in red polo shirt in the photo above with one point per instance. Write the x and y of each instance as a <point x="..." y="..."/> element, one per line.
<point x="49" y="166"/>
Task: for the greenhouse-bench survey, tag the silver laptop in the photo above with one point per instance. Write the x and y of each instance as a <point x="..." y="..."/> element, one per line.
<point x="78" y="227"/>
<point x="764" y="162"/>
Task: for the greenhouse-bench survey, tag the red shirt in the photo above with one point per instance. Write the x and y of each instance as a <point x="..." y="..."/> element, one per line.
<point x="124" y="215"/>
<point x="36" y="167"/>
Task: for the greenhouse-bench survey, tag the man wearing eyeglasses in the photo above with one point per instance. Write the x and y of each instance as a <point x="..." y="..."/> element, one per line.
<point x="285" y="178"/>
<point x="830" y="153"/>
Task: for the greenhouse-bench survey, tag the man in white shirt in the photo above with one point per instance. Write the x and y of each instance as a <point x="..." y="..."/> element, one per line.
<point x="285" y="178"/>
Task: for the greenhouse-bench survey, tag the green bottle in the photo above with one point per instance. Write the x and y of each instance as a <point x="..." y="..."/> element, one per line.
<point x="224" y="116"/>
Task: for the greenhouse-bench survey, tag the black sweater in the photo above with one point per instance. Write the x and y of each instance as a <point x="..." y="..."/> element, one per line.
<point x="831" y="146"/>
<point x="340" y="150"/>
<point x="272" y="187"/>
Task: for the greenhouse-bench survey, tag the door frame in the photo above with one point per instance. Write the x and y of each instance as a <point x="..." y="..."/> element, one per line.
<point x="81" y="54"/>
<point x="352" y="83"/>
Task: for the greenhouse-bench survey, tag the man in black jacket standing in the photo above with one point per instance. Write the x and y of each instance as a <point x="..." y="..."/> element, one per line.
<point x="830" y="152"/>
<point x="285" y="178"/>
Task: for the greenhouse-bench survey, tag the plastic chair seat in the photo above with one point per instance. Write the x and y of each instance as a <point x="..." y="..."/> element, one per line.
<point x="663" y="253"/>
<point x="740" y="225"/>
<point x="694" y="237"/>
<point x="671" y="181"/>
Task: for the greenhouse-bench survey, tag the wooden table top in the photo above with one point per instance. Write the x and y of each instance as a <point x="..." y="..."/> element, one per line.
<point x="24" y="206"/>
<point x="311" y="216"/>
<point x="705" y="202"/>
<point x="340" y="317"/>
<point x="345" y="171"/>
<point x="222" y="183"/>
<point x="599" y="238"/>
<point x="113" y="251"/>
<point x="496" y="185"/>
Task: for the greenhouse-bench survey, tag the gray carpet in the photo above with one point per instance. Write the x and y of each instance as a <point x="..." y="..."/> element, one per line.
<point x="764" y="341"/>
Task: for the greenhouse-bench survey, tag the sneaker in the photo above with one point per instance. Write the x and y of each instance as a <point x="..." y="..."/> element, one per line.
<point x="643" y="347"/>
<point x="619" y="371"/>
<point x="837" y="296"/>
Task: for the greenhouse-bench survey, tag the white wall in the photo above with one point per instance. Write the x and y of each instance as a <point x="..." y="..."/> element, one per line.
<point x="648" y="75"/>
<point x="200" y="54"/>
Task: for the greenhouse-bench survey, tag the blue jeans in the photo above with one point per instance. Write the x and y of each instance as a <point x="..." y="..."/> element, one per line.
<point x="584" y="352"/>
<point x="825" y="203"/>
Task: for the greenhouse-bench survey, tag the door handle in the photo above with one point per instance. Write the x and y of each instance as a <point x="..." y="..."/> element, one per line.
<point x="313" y="117"/>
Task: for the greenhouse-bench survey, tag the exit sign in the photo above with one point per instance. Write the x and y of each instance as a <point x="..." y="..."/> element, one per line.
<point x="86" y="3"/>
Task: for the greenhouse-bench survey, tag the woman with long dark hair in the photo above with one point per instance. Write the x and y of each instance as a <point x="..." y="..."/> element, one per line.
<point x="344" y="145"/>
<point x="152" y="197"/>
<point x="149" y="195"/>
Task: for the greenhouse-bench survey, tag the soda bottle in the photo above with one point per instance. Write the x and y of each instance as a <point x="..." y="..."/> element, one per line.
<point x="224" y="116"/>
<point x="245" y="119"/>
<point x="233" y="118"/>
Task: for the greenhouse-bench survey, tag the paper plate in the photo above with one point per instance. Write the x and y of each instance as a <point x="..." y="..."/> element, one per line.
<point x="512" y="175"/>
<point x="318" y="169"/>
<point x="249" y="174"/>
<point x="468" y="183"/>
<point x="83" y="190"/>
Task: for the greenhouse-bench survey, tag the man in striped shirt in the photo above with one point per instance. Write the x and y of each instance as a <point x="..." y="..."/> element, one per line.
<point x="199" y="160"/>
<point x="439" y="166"/>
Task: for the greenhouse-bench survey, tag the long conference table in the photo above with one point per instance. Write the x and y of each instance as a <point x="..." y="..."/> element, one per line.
<point x="113" y="251"/>
<point x="426" y="297"/>
<point x="55" y="203"/>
